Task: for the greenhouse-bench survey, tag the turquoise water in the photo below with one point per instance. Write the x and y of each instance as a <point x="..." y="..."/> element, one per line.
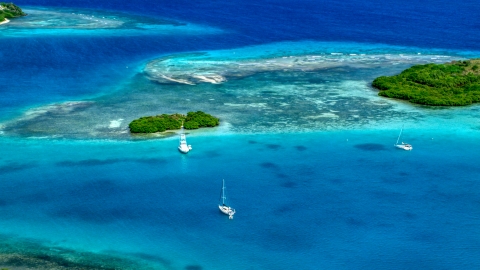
<point x="305" y="144"/>
<point x="67" y="21"/>
<point x="325" y="199"/>
<point x="282" y="87"/>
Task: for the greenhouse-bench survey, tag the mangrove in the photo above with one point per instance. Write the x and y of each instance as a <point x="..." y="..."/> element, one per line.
<point x="451" y="84"/>
<point x="163" y="122"/>
<point x="9" y="11"/>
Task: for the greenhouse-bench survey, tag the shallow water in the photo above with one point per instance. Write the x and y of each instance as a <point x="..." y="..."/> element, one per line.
<point x="312" y="90"/>
<point x="304" y="198"/>
<point x="65" y="22"/>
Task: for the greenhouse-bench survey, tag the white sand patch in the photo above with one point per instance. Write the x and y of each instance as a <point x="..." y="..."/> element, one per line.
<point x="323" y="115"/>
<point x="176" y="80"/>
<point x="234" y="105"/>
<point x="215" y="79"/>
<point x="254" y="105"/>
<point x="115" y="123"/>
<point x="5" y="21"/>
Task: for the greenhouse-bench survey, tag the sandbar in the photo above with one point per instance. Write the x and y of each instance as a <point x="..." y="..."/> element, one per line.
<point x="5" y="21"/>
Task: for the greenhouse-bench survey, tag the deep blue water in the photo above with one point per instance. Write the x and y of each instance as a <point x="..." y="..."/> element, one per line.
<point x="337" y="199"/>
<point x="431" y="24"/>
<point x="80" y="63"/>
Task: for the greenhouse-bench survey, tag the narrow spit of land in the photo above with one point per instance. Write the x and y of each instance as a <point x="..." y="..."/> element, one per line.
<point x="451" y="84"/>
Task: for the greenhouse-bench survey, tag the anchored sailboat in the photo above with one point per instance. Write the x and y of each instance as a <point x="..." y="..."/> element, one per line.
<point x="404" y="146"/>
<point x="227" y="210"/>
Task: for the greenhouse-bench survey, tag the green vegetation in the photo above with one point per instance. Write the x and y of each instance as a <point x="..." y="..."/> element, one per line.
<point x="159" y="123"/>
<point x="200" y="119"/>
<point x="163" y="122"/>
<point x="8" y="11"/>
<point x="450" y="84"/>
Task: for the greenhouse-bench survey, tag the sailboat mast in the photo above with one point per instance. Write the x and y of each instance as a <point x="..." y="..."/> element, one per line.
<point x="223" y="192"/>
<point x="399" y="135"/>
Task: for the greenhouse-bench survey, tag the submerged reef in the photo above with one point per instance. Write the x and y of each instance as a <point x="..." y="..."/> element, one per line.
<point x="163" y="122"/>
<point x="10" y="10"/>
<point x="69" y="21"/>
<point x="199" y="68"/>
<point x="282" y="87"/>
<point x="18" y="253"/>
<point x="451" y="84"/>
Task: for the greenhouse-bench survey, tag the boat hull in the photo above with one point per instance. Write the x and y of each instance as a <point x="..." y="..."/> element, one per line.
<point x="406" y="147"/>
<point x="183" y="149"/>
<point x="227" y="210"/>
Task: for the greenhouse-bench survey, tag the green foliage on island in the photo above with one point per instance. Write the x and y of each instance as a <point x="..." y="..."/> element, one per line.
<point x="163" y="122"/>
<point x="10" y="10"/>
<point x="158" y="123"/>
<point x="450" y="84"/>
<point x="200" y="119"/>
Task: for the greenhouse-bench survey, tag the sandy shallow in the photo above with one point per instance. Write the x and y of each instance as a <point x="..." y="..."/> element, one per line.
<point x="5" y="21"/>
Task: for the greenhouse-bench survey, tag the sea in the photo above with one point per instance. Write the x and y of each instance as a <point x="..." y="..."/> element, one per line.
<point x="305" y="144"/>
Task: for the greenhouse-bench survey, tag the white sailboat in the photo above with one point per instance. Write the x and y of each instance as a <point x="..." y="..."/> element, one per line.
<point x="227" y="210"/>
<point x="184" y="147"/>
<point x="404" y="146"/>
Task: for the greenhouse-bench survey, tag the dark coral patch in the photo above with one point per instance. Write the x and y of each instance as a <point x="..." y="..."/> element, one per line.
<point x="193" y="267"/>
<point x="355" y="222"/>
<point x="289" y="184"/>
<point x="100" y="215"/>
<point x="273" y="146"/>
<point x="15" y="166"/>
<point x="100" y="162"/>
<point x="268" y="165"/>
<point x="370" y="147"/>
<point x="301" y="148"/>
<point x="212" y="154"/>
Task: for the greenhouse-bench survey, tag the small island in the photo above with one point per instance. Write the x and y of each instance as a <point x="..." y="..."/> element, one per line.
<point x="451" y="84"/>
<point x="8" y="11"/>
<point x="163" y="122"/>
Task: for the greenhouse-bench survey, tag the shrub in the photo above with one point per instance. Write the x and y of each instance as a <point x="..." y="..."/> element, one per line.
<point x="191" y="125"/>
<point x="10" y="11"/>
<point x="450" y="84"/>
<point x="201" y="119"/>
<point x="163" y="122"/>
